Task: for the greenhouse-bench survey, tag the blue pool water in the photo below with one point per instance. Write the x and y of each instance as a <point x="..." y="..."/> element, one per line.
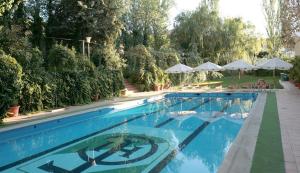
<point x="183" y="132"/>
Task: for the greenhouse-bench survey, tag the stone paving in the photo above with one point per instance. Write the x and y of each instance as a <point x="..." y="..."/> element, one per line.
<point x="288" y="103"/>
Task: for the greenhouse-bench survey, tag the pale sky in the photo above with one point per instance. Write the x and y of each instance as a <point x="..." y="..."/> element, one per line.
<point x="250" y="11"/>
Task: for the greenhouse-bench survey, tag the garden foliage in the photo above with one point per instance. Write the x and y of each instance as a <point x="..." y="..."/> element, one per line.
<point x="10" y="82"/>
<point x="295" y="71"/>
<point x="128" y="37"/>
<point x="143" y="70"/>
<point x="66" y="79"/>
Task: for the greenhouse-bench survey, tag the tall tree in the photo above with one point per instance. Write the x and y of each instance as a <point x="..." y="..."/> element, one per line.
<point x="202" y="35"/>
<point x="6" y="5"/>
<point x="272" y="15"/>
<point x="290" y="20"/>
<point x="37" y="29"/>
<point x="146" y="23"/>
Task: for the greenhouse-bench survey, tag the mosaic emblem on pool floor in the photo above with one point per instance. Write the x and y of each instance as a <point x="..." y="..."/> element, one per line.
<point x="103" y="153"/>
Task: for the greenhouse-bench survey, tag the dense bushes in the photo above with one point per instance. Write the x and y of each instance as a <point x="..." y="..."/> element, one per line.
<point x="146" y="68"/>
<point x="165" y="58"/>
<point x="61" y="59"/>
<point x="64" y="78"/>
<point x="295" y="71"/>
<point x="142" y="69"/>
<point x="37" y="90"/>
<point x="10" y="82"/>
<point x="78" y="80"/>
<point x="107" y="57"/>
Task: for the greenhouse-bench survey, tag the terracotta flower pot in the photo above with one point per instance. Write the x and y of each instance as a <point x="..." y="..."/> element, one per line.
<point x="13" y="111"/>
<point x="123" y="92"/>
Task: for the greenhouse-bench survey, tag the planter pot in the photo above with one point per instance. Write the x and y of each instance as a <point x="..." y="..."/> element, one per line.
<point x="13" y="111"/>
<point x="123" y="92"/>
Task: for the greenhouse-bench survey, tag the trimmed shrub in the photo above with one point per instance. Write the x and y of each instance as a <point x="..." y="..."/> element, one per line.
<point x="107" y="83"/>
<point x="10" y="82"/>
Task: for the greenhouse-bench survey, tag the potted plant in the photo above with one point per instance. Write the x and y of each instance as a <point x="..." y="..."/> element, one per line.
<point x="123" y="92"/>
<point x="13" y="110"/>
<point x="11" y="83"/>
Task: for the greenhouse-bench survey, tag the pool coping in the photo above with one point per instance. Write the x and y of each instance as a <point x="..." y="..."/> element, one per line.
<point x="239" y="157"/>
<point x="76" y="112"/>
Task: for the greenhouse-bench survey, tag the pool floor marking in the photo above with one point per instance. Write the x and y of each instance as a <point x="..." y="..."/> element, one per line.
<point x="10" y="165"/>
<point x="50" y="167"/>
<point x="164" y="123"/>
<point x="157" y="168"/>
<point x="171" y="119"/>
<point x="65" y="144"/>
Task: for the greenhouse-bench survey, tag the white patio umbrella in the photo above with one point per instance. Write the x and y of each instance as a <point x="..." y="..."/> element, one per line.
<point x="239" y="65"/>
<point x="208" y="66"/>
<point x="275" y="63"/>
<point x="179" y="68"/>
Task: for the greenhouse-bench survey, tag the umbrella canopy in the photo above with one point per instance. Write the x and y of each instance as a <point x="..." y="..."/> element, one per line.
<point x="179" y="68"/>
<point x="275" y="63"/>
<point x="208" y="66"/>
<point x="239" y="65"/>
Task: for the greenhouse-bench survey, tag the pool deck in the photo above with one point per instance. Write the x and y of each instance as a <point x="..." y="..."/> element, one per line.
<point x="288" y="103"/>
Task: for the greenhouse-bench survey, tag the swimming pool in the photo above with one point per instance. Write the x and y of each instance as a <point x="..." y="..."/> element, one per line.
<point x="181" y="132"/>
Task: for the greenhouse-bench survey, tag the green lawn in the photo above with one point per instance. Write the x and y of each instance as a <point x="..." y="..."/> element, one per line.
<point x="268" y="155"/>
<point x="232" y="80"/>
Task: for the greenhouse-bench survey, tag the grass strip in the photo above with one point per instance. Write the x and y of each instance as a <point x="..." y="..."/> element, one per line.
<point x="229" y="80"/>
<point x="268" y="155"/>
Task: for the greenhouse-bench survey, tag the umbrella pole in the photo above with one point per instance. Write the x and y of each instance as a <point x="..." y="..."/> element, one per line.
<point x="180" y="89"/>
<point x="274" y="78"/>
<point x="180" y="80"/>
<point x="238" y="82"/>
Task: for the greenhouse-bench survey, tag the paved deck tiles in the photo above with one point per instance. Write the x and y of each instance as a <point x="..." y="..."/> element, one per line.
<point x="288" y="102"/>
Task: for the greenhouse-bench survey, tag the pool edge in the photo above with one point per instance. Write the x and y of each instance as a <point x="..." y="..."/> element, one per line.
<point x="239" y="157"/>
<point x="79" y="111"/>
